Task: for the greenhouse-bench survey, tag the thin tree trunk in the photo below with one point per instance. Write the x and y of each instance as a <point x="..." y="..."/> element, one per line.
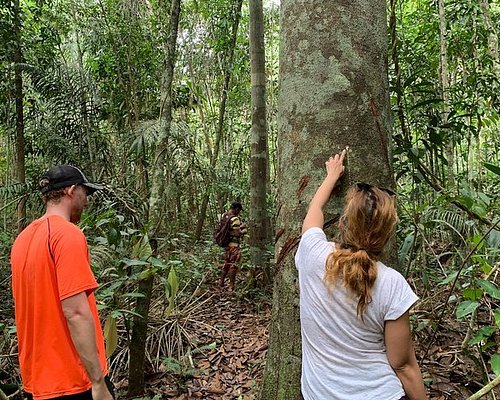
<point x="397" y="72"/>
<point x="139" y="330"/>
<point x="333" y="93"/>
<point x="492" y="36"/>
<point x="91" y="166"/>
<point x="258" y="218"/>
<point x="19" y="96"/>
<point x="445" y="86"/>
<point x="222" y="113"/>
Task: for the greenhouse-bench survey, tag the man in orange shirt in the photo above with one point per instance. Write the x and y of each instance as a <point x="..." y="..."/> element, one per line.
<point x="60" y="340"/>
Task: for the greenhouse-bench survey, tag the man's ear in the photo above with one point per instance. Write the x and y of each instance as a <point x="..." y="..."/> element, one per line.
<point x="70" y="190"/>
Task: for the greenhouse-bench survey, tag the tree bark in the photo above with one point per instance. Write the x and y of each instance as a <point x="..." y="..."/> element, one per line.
<point x="258" y="217"/>
<point x="445" y="86"/>
<point x="139" y="330"/>
<point x="333" y="94"/>
<point x="397" y="74"/>
<point x="220" y="120"/>
<point x="492" y="36"/>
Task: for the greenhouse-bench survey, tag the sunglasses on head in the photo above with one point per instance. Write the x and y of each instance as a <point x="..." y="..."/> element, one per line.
<point x="366" y="188"/>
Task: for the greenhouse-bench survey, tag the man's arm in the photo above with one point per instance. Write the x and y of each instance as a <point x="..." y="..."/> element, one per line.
<point x="81" y="327"/>
<point x="238" y="228"/>
<point x="334" y="170"/>
<point x="401" y="356"/>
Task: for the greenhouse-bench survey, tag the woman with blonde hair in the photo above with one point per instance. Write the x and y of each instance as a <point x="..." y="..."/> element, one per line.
<point x="354" y="310"/>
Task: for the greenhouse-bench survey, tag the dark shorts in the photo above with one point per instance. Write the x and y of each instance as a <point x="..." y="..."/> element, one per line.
<point x="87" y="395"/>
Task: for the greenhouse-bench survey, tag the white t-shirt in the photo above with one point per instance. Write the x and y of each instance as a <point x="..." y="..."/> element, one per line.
<point x="343" y="357"/>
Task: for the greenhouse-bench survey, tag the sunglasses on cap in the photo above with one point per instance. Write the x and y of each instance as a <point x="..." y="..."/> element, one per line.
<point x="366" y="187"/>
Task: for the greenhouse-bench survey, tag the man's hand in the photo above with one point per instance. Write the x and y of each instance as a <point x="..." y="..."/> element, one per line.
<point x="100" y="391"/>
<point x="243" y="229"/>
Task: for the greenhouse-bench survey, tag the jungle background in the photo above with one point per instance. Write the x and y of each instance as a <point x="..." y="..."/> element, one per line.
<point x="153" y="99"/>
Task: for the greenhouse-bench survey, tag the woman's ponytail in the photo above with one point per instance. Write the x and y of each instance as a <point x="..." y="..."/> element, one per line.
<point x="365" y="228"/>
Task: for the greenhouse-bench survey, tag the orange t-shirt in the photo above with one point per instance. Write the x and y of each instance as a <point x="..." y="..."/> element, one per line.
<point x="50" y="262"/>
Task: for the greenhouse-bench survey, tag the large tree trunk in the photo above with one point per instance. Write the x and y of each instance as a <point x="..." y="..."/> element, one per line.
<point x="139" y="330"/>
<point x="222" y="113"/>
<point x="258" y="218"/>
<point x="333" y="93"/>
<point x="20" y="146"/>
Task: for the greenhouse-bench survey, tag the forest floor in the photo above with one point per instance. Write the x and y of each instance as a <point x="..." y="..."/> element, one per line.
<point x="233" y="369"/>
<point x="229" y="334"/>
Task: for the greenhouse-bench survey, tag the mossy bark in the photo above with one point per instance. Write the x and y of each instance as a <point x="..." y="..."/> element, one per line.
<point x="137" y="346"/>
<point x="333" y="94"/>
<point x="259" y="237"/>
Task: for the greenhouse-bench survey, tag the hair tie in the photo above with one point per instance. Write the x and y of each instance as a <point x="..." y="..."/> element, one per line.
<point x="352" y="247"/>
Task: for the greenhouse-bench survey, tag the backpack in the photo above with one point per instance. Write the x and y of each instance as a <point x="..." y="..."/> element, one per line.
<point x="222" y="232"/>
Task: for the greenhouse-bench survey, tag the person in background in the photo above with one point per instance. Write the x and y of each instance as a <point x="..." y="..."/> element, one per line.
<point x="232" y="253"/>
<point x="61" y="345"/>
<point x="356" y="339"/>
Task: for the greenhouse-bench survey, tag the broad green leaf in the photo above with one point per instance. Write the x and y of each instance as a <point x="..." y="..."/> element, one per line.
<point x="484" y="198"/>
<point x="497" y="317"/>
<point x="146" y="273"/>
<point x="111" y="335"/>
<point x="466" y="308"/>
<point x="142" y="248"/>
<point x="472" y="294"/>
<point x="493" y="168"/>
<point x="449" y="278"/>
<point x="489" y="288"/>
<point x="495" y="363"/>
<point x="465" y="200"/>
<point x="405" y="248"/>
<point x="173" y="283"/>
<point x="484" y="333"/>
<point x="102" y="222"/>
<point x="132" y="263"/>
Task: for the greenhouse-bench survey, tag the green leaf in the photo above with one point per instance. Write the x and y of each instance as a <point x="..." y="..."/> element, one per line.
<point x="111" y="335"/>
<point x="426" y="102"/>
<point x="435" y="137"/>
<point x="172" y="364"/>
<point x="493" y="168"/>
<point x="449" y="278"/>
<point x="210" y="346"/>
<point x="490" y="288"/>
<point x="405" y="248"/>
<point x="497" y="317"/>
<point x="466" y="200"/>
<point x="495" y="363"/>
<point x="472" y="294"/>
<point x="132" y="263"/>
<point x="142" y="249"/>
<point x="173" y="284"/>
<point x="466" y="308"/>
<point x="134" y="294"/>
<point x="484" y="333"/>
